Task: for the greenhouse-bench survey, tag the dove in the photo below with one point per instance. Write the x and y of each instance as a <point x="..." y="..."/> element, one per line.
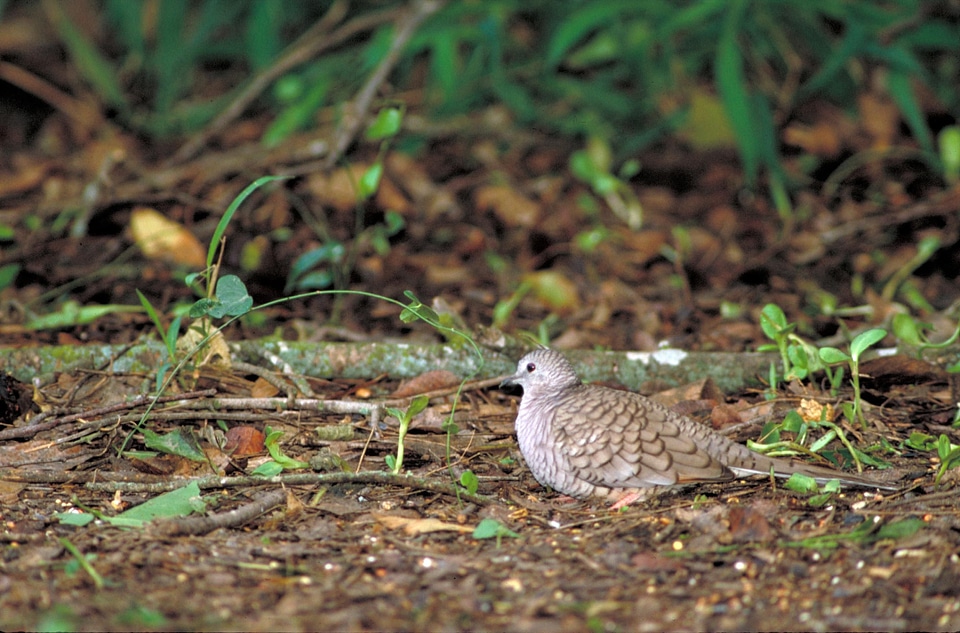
<point x="592" y="441"/>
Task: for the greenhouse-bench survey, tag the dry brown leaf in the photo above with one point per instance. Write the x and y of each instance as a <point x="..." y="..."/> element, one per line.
<point x="819" y="139"/>
<point x="263" y="389"/>
<point x="642" y="246"/>
<point x="244" y="441"/>
<point x="880" y="118"/>
<point x="336" y="189"/>
<point x="749" y="525"/>
<point x="23" y="179"/>
<point x="429" y="381"/>
<point x="414" y="527"/>
<point x="216" y="352"/>
<point x="509" y="205"/>
<point x="10" y="492"/>
<point x="161" y="238"/>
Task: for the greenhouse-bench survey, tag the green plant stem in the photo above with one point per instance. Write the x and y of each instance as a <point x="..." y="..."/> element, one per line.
<point x="83" y="562"/>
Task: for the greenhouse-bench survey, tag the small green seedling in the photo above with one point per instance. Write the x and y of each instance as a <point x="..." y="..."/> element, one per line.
<point x="798" y="357"/>
<point x="469" y="480"/>
<point x="592" y="165"/>
<point x="491" y="528"/>
<point x="834" y="356"/>
<point x="949" y="455"/>
<point x="771" y="443"/>
<point x="280" y="461"/>
<point x="869" y="531"/>
<point x="798" y="482"/>
<point x="910" y="331"/>
<point x="417" y="405"/>
<point x="80" y="561"/>
<point x="948" y="143"/>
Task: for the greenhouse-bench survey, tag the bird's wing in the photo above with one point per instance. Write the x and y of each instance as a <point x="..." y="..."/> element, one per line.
<point x="620" y="439"/>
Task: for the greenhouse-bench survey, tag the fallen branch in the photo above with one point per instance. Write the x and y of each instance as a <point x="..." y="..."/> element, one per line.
<point x="193" y="526"/>
<point x="112" y="482"/>
<point x="31" y="430"/>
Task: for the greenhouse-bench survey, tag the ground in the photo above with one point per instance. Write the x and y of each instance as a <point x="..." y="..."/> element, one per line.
<point x="491" y="223"/>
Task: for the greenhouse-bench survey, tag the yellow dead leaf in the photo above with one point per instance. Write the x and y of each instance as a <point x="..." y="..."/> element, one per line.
<point x="706" y="125"/>
<point x="216" y="352"/>
<point x="819" y="139"/>
<point x="161" y="238"/>
<point x="414" y="527"/>
<point x="263" y="389"/>
<point x="554" y="290"/>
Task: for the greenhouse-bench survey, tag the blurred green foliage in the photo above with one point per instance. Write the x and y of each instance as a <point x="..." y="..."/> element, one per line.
<point x="623" y="71"/>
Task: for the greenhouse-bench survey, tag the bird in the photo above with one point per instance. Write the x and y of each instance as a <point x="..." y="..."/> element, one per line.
<point x="590" y="441"/>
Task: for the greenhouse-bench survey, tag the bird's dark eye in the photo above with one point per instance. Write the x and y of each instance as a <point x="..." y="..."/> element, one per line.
<point x="531" y="367"/>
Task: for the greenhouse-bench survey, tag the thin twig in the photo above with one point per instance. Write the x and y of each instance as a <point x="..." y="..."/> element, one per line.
<point x="234" y="518"/>
<point x="111" y="482"/>
<point x="357" y="111"/>
<point x="86" y="118"/>
<point x="314" y="40"/>
<point x="274" y="378"/>
<point x="30" y="431"/>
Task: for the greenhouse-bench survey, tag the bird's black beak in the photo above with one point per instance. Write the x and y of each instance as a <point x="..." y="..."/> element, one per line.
<point x="509" y="384"/>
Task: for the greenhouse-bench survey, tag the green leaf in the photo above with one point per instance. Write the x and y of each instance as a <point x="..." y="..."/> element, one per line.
<point x="298" y="114"/>
<point x="491" y="528"/>
<point x="865" y="340"/>
<point x="793" y="422"/>
<point x="773" y="321"/>
<point x="907" y="329"/>
<point x="176" y="503"/>
<point x="943" y="447"/>
<point x="832" y="355"/>
<point x="470" y="481"/>
<point x="71" y="313"/>
<point x="332" y="252"/>
<point x="370" y="180"/>
<point x="202" y="308"/>
<point x="171" y="336"/>
<point x="900" y="87"/>
<point x="900" y="529"/>
<point x="228" y="214"/>
<point x="799" y="362"/>
<point x="800" y="483"/>
<point x="272" y="442"/>
<point x="76" y="519"/>
<point x="151" y="311"/>
<point x="417" y="405"/>
<point x="579" y="25"/>
<point x="232" y="298"/>
<point x="387" y="124"/>
<point x="948" y="142"/>
<point x="394" y="222"/>
<point x="831" y="486"/>
<point x="8" y="275"/>
<point x="88" y="60"/>
<point x="267" y="469"/>
<point x="734" y="90"/>
<point x="770" y="433"/>
<point x="180" y="442"/>
<point x="820" y="500"/>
